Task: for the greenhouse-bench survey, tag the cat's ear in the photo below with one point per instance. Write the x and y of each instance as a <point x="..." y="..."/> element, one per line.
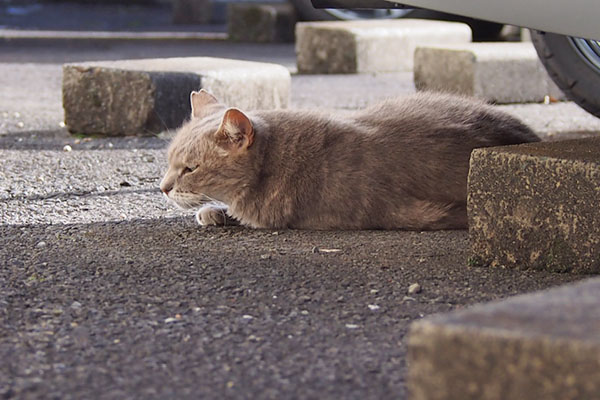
<point x="200" y="100"/>
<point x="236" y="131"/>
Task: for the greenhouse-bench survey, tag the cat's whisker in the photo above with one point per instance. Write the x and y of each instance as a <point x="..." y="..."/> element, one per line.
<point x="224" y="214"/>
<point x="185" y="200"/>
<point x="164" y="125"/>
<point x="164" y="139"/>
<point x="210" y="199"/>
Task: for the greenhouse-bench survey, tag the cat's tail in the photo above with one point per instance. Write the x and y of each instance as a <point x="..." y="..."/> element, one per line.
<point x="510" y="129"/>
<point x="431" y="215"/>
<point x="521" y="133"/>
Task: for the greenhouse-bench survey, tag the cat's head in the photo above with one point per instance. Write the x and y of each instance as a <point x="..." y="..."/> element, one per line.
<point x="208" y="158"/>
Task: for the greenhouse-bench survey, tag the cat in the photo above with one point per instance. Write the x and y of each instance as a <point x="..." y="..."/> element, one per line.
<point x="400" y="164"/>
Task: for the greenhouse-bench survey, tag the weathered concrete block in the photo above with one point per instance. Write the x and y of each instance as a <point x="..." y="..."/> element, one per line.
<point x="261" y="22"/>
<point x="538" y="346"/>
<point x="497" y="72"/>
<point x="369" y="46"/>
<point x="536" y="206"/>
<point x="192" y="11"/>
<point x="131" y="97"/>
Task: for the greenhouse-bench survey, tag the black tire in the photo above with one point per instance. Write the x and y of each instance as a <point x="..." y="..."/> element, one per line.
<point x="574" y="67"/>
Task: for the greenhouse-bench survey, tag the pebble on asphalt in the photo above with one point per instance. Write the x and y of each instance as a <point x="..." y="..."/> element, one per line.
<point x="414" y="288"/>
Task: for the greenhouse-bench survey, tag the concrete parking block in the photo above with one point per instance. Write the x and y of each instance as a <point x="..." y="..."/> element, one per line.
<point x="192" y="11"/>
<point x="261" y="22"/>
<point x="538" y="346"/>
<point x="369" y="46"/>
<point x="497" y="72"/>
<point x="130" y="97"/>
<point x="536" y="206"/>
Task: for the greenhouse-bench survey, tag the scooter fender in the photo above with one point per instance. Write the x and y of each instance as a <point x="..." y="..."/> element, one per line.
<point x="578" y="18"/>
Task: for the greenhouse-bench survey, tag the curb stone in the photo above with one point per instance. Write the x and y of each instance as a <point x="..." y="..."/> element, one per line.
<point x="130" y="97"/>
<point x="261" y="22"/>
<point x="369" y="46"/>
<point x="535" y="346"/>
<point x="536" y="206"/>
<point x="496" y="72"/>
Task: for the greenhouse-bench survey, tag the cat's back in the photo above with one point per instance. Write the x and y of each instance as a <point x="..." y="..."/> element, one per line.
<point x="434" y="107"/>
<point x="435" y="114"/>
<point x="426" y="116"/>
<point x="308" y="130"/>
<point x="300" y="121"/>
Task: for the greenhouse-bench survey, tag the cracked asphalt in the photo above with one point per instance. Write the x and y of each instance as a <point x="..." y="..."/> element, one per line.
<point x="106" y="291"/>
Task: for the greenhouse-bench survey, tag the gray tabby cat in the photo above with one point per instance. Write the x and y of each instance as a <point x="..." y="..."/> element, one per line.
<point x="401" y="164"/>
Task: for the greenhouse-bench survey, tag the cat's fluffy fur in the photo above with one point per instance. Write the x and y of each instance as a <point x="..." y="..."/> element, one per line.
<point x="401" y="164"/>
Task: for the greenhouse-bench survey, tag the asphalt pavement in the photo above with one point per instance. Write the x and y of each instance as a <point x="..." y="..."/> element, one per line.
<point x="107" y="291"/>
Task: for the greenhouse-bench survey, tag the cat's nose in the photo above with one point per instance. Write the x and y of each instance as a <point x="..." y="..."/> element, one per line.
<point x="166" y="189"/>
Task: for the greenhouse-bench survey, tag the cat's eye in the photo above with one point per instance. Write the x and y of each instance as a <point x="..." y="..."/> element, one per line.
<point x="188" y="170"/>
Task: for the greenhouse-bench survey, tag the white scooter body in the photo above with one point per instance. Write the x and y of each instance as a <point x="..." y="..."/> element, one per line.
<point x="579" y="18"/>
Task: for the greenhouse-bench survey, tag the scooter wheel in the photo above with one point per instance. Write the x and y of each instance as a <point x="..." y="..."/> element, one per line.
<point x="574" y="65"/>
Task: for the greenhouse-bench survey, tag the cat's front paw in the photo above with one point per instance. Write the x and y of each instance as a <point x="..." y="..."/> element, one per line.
<point x="214" y="215"/>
